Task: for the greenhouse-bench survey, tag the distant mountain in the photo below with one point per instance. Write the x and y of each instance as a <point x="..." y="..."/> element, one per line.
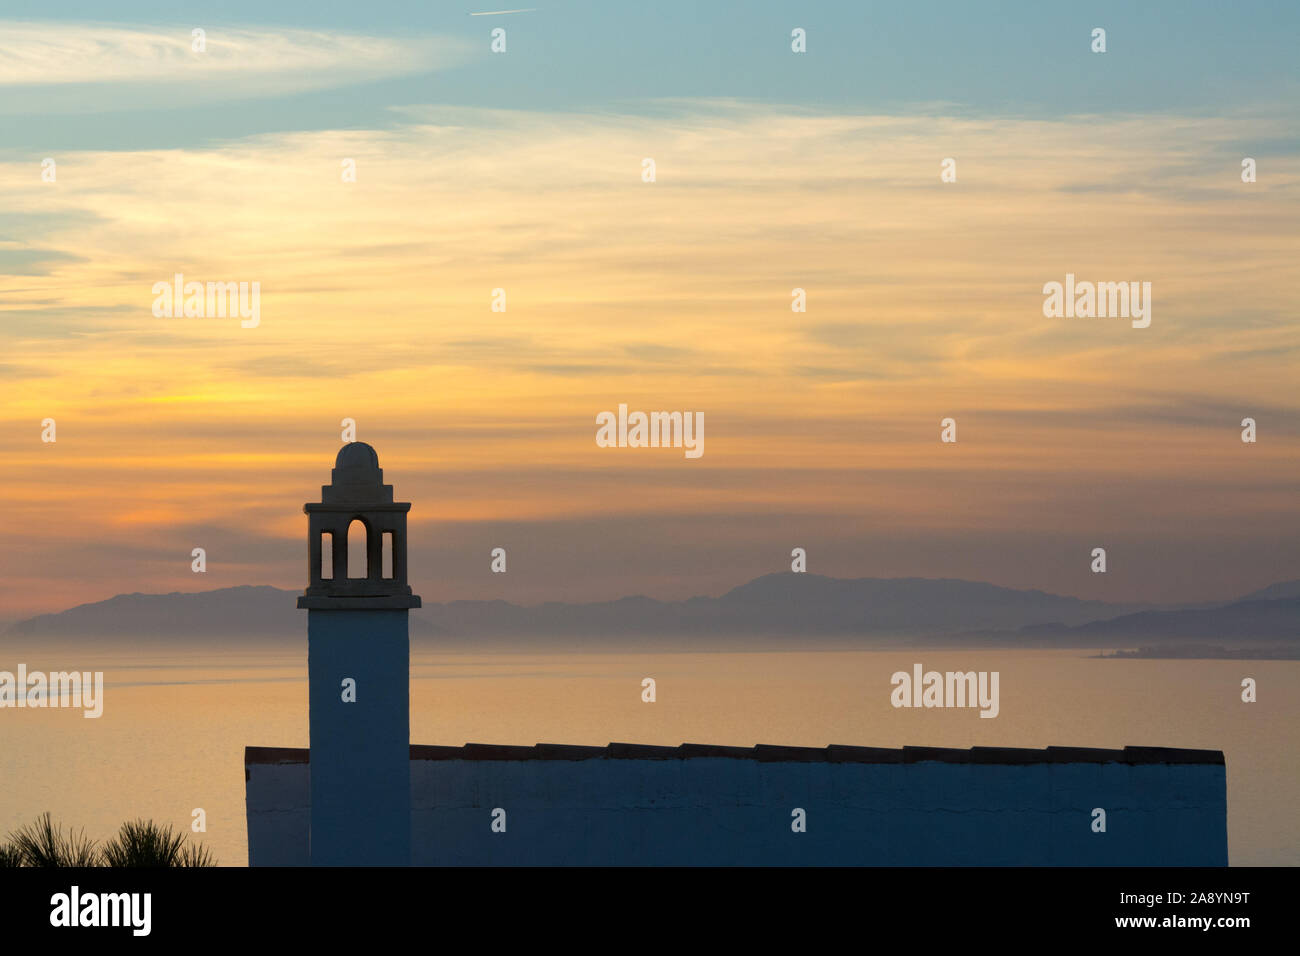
<point x="781" y="605"/>
<point x="1239" y="622"/>
<point x="785" y="606"/>
<point x="227" y="612"/>
<point x="1274" y="592"/>
<point x="776" y="605"/>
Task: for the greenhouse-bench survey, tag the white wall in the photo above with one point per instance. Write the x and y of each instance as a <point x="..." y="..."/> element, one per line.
<point x="727" y="810"/>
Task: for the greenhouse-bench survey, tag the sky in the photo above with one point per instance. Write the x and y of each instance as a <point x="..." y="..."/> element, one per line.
<point x="774" y="170"/>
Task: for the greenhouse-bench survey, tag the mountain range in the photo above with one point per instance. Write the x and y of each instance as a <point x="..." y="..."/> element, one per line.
<point x="787" y="607"/>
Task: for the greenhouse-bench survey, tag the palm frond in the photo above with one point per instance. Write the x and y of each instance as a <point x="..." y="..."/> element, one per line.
<point x="44" y="843"/>
<point x="196" y="854"/>
<point x="10" y="856"/>
<point x="144" y="843"/>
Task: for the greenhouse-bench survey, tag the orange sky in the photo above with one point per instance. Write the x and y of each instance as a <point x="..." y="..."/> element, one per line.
<point x="822" y="428"/>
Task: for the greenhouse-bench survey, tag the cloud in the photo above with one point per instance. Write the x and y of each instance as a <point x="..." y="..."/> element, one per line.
<point x="924" y="300"/>
<point x="909" y="280"/>
<point x="236" y="61"/>
<point x="31" y="262"/>
<point x="13" y="372"/>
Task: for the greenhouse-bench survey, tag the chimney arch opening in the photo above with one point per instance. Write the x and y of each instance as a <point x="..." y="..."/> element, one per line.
<point x="358" y="538"/>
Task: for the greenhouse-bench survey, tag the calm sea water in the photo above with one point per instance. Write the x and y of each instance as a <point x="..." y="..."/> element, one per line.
<point x="174" y="727"/>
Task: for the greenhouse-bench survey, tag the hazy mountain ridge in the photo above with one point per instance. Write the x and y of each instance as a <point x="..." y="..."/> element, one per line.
<point x="1246" y="620"/>
<point x="784" y="605"/>
<point x="1274" y="592"/>
<point x="256" y="610"/>
<point x="775" y="605"/>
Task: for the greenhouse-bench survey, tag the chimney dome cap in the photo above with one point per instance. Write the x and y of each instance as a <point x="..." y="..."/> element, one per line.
<point x="358" y="462"/>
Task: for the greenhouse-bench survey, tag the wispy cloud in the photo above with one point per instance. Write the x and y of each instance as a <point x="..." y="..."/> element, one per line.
<point x="924" y="300"/>
<point x="235" y="61"/>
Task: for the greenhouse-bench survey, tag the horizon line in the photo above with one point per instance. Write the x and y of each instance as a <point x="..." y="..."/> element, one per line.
<point x="7" y="623"/>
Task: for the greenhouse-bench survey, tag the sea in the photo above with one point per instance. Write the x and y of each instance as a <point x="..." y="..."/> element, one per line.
<point x="175" y="723"/>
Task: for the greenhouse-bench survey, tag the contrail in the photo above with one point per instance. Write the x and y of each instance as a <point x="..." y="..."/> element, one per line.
<point x="497" y="13"/>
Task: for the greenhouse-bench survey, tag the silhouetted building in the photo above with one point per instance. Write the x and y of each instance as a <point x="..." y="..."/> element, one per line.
<point x="358" y="668"/>
<point x="362" y="795"/>
<point x="629" y="805"/>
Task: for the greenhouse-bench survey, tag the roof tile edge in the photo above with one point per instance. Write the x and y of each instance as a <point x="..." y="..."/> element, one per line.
<point x="767" y="753"/>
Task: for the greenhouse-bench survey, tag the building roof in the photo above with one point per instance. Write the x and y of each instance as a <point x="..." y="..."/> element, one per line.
<point x="359" y="458"/>
<point x="835" y="753"/>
